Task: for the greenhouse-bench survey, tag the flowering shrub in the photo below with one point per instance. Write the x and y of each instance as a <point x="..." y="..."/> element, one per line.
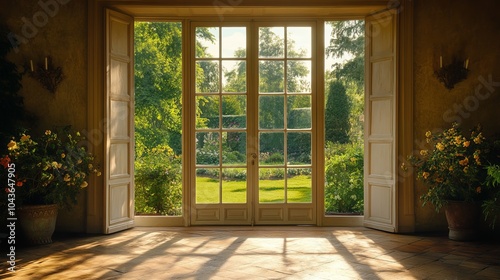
<point x="453" y="169"/>
<point x="51" y="169"/>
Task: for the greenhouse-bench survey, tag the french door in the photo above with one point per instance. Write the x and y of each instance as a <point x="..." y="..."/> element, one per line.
<point x="252" y="125"/>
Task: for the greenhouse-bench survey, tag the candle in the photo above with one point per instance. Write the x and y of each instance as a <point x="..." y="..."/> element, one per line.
<point x="46" y="64"/>
<point x="467" y="63"/>
<point x="440" y="62"/>
<point x="31" y="63"/>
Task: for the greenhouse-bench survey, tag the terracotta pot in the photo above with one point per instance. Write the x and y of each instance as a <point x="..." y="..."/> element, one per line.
<point x="38" y="222"/>
<point x="463" y="220"/>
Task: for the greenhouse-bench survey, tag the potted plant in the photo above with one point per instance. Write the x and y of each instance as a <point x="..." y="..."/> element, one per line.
<point x="453" y="170"/>
<point x="43" y="174"/>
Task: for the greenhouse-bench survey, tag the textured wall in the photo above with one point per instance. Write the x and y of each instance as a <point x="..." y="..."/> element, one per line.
<point x="466" y="29"/>
<point x="57" y="28"/>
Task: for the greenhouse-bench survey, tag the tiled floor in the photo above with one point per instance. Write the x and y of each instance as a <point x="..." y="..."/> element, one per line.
<point x="257" y="253"/>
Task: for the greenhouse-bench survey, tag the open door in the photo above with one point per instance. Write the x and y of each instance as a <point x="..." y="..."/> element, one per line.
<point x="119" y="114"/>
<point x="380" y="122"/>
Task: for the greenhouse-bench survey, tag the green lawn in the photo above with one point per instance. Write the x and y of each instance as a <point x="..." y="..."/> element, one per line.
<point x="299" y="190"/>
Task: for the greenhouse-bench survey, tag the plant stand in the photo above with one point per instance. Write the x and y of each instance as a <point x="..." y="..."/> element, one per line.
<point x="463" y="220"/>
<point x="38" y="223"/>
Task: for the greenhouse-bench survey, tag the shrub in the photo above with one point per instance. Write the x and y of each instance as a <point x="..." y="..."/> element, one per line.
<point x="344" y="178"/>
<point x="158" y="183"/>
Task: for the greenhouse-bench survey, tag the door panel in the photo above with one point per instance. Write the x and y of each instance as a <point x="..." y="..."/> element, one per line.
<point x="285" y="187"/>
<point x="254" y="166"/>
<point x="119" y="175"/>
<point x="220" y="194"/>
<point x="380" y="131"/>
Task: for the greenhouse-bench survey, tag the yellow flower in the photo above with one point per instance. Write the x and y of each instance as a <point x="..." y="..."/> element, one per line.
<point x="25" y="138"/>
<point x="67" y="178"/>
<point x="450" y="168"/>
<point x="425" y="175"/>
<point x="458" y="140"/>
<point x="90" y="166"/>
<point x="99" y="173"/>
<point x="12" y="145"/>
<point x="440" y="146"/>
<point x="466" y="144"/>
<point x="84" y="184"/>
<point x="423" y="152"/>
<point x="478" y="139"/>
<point x="466" y="169"/>
<point x="55" y="164"/>
<point x="48" y="132"/>
<point x="428" y="134"/>
<point x="464" y="162"/>
<point x="79" y="161"/>
<point x="63" y="155"/>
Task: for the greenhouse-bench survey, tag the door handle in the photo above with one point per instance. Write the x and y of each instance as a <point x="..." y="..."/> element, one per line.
<point x="254" y="156"/>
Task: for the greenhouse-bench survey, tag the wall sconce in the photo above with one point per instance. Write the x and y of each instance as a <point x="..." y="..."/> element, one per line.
<point x="47" y="75"/>
<point x="453" y="73"/>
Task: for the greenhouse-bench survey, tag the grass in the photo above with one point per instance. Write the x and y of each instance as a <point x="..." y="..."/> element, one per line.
<point x="270" y="191"/>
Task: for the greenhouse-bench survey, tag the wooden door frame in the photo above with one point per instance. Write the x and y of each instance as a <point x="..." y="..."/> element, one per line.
<point x="334" y="9"/>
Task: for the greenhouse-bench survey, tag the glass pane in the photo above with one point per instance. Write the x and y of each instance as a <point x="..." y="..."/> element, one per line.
<point x="271" y="77"/>
<point x="299" y="148"/>
<point x="234" y="185"/>
<point x="298" y="76"/>
<point x="234" y="111"/>
<point x="234" y="76"/>
<point x="207" y="42"/>
<point x="207" y="112"/>
<point x="271" y="112"/>
<point x="271" y="148"/>
<point x="299" y="42"/>
<point x="234" y="146"/>
<point x="207" y="148"/>
<point x="299" y="111"/>
<point x="299" y="185"/>
<point x="207" y="185"/>
<point x="207" y="76"/>
<point x="344" y="120"/>
<point x="158" y="147"/>
<point x="234" y="42"/>
<point x="271" y="41"/>
<point x="272" y="185"/>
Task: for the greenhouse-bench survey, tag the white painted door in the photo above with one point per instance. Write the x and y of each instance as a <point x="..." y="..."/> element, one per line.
<point x="119" y="114"/>
<point x="253" y="165"/>
<point x="380" y="122"/>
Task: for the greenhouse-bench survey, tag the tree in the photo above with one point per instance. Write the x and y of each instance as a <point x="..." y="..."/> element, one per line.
<point x="348" y="40"/>
<point x="158" y="84"/>
<point x="337" y="113"/>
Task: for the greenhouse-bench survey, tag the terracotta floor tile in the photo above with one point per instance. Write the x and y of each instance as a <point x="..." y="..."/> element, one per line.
<point x="257" y="253"/>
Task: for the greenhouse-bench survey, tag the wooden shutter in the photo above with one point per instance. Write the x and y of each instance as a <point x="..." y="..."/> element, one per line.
<point x="380" y="126"/>
<point x="119" y="114"/>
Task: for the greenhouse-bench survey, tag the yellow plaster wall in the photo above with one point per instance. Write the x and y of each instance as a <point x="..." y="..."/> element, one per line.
<point x="59" y="30"/>
<point x="466" y="29"/>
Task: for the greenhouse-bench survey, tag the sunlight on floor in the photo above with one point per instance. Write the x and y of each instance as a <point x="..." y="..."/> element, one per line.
<point x="257" y="253"/>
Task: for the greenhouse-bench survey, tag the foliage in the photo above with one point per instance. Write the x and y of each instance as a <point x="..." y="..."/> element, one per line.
<point x="491" y="206"/>
<point x="347" y="39"/>
<point x="337" y="112"/>
<point x="52" y="169"/>
<point x="158" y="185"/>
<point x="453" y="168"/>
<point x="344" y="178"/>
